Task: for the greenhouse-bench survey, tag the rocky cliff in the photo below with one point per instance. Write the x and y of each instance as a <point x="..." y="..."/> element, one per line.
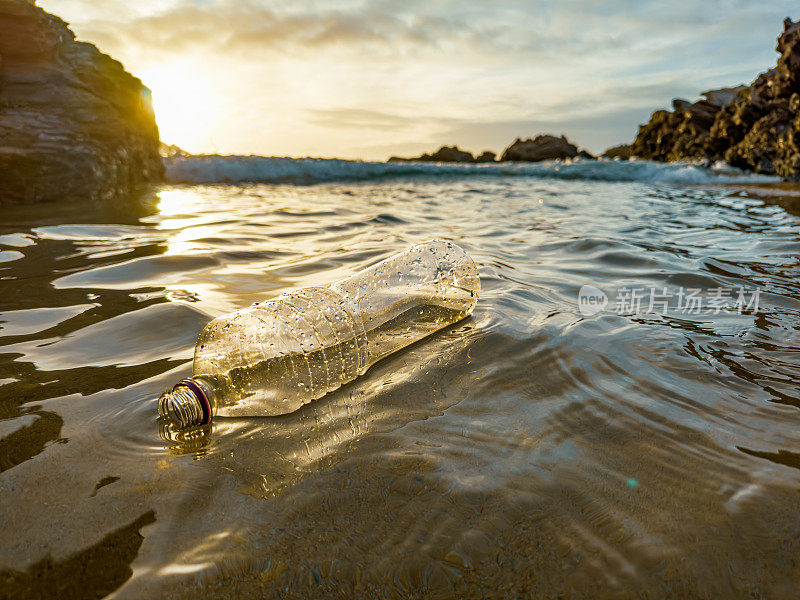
<point x="73" y="122"/>
<point x="685" y="131"/>
<point x="755" y="127"/>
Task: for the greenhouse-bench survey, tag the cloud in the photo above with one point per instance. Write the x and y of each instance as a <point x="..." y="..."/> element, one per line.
<point x="247" y="27"/>
<point x="621" y="38"/>
<point x="347" y="118"/>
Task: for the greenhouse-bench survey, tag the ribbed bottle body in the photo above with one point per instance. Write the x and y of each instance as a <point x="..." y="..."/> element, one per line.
<point x="275" y="356"/>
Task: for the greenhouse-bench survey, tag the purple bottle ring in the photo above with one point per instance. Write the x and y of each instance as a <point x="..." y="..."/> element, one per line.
<point x="205" y="406"/>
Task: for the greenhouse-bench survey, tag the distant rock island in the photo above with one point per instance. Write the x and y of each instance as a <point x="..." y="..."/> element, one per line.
<point x="542" y="147"/>
<point x="443" y="154"/>
<point x="73" y="122"/>
<point x="755" y="127"/>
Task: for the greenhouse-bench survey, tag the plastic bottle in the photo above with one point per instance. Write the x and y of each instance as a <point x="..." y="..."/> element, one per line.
<point x="275" y="356"/>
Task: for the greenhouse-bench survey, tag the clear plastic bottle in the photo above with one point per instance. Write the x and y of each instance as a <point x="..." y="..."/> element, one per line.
<point x="275" y="356"/>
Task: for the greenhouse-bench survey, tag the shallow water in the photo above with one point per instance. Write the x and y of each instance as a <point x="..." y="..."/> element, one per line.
<point x="530" y="450"/>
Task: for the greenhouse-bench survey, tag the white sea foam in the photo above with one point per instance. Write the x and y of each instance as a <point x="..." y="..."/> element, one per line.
<point x="235" y="169"/>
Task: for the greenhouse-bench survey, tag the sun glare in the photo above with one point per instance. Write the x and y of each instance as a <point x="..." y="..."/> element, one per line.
<point x="185" y="104"/>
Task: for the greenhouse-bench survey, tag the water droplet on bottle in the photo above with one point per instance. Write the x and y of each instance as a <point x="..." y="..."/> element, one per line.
<point x="339" y="333"/>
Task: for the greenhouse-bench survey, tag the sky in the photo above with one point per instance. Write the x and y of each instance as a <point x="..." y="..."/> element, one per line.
<point x="370" y="79"/>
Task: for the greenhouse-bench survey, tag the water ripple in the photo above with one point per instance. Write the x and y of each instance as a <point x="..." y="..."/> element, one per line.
<point x="530" y="447"/>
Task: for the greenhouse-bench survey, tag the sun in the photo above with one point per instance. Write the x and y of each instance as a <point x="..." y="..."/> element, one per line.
<point x="185" y="104"/>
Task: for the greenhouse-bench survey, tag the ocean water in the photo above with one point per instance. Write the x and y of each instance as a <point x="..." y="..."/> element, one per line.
<point x="539" y="448"/>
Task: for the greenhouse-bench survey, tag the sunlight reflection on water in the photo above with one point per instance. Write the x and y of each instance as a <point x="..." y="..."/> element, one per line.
<point x="527" y="447"/>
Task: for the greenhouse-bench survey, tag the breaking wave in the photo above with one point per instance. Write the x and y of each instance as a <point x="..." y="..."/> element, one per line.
<point x="236" y="169"/>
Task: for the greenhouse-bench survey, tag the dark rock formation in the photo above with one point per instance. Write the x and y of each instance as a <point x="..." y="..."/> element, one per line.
<point x="443" y="154"/>
<point x="542" y="147"/>
<point x="73" y="122"/>
<point x="755" y="127"/>
<point x="622" y="152"/>
<point x="486" y="156"/>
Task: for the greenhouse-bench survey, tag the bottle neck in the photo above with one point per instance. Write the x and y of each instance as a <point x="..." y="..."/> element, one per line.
<point x="188" y="403"/>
